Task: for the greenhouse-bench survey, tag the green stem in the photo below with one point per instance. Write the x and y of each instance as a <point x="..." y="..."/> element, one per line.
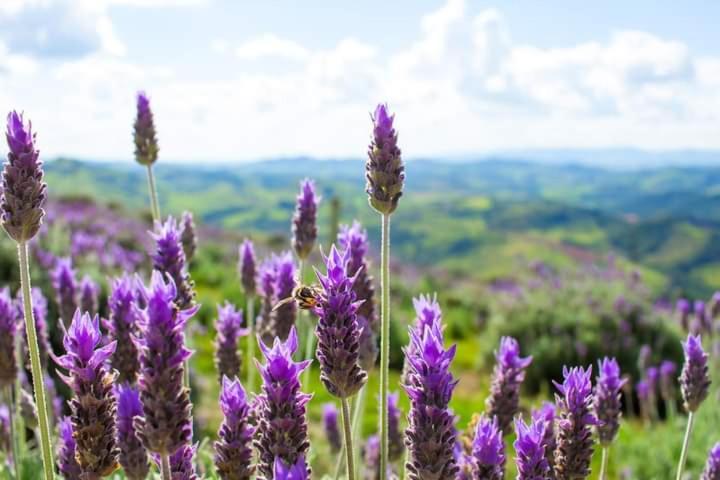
<point x="384" y="342"/>
<point x="357" y="414"/>
<point x="154" y="204"/>
<point x="309" y="334"/>
<point x="249" y="310"/>
<point x="686" y="444"/>
<point x="14" y="438"/>
<point x="349" y="452"/>
<point x="604" y="463"/>
<point x="16" y="418"/>
<point x="165" y="470"/>
<point x="37" y="377"/>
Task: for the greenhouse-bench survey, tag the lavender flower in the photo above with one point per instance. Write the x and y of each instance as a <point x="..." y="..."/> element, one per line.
<point x="122" y="326"/>
<point x="396" y="446"/>
<point x="284" y="317"/>
<point x="371" y="457"/>
<point x="488" y="450"/>
<point x="337" y="329"/>
<point x="5" y="428"/>
<point x="133" y="455"/>
<point x="701" y="323"/>
<point x="668" y="370"/>
<point x="66" y="290"/>
<point x="694" y="378"/>
<point x="169" y="259"/>
<point x="188" y="237"/>
<point x="304" y="223"/>
<point x="166" y="422"/>
<point x="430" y="436"/>
<point x="233" y="453"/>
<point x="354" y="239"/>
<point x="296" y="471"/>
<point x="683" y="309"/>
<point x="229" y="330"/>
<point x="606" y="400"/>
<point x="66" y="460"/>
<point x="330" y="426"/>
<point x="266" y="290"/>
<point x="530" y="447"/>
<point x="384" y="170"/>
<point x="427" y="314"/>
<point x="574" y="427"/>
<point x="181" y="463"/>
<point x="546" y="415"/>
<point x="40" y="311"/>
<point x="8" y="326"/>
<point x="509" y="373"/>
<point x="146" y="146"/>
<point x="89" y="292"/>
<point x="712" y="467"/>
<point x="93" y="403"/>
<point x="642" y="388"/>
<point x="282" y="428"/>
<point x="247" y="267"/>
<point x="644" y="357"/>
<point x="23" y="191"/>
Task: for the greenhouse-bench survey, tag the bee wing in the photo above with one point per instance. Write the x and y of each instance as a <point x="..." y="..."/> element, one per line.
<point x="282" y="302"/>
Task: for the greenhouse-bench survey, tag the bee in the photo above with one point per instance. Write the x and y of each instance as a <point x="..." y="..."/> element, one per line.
<point x="306" y="296"/>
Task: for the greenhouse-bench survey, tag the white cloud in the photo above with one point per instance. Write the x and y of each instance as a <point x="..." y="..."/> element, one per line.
<point x="270" y="45"/>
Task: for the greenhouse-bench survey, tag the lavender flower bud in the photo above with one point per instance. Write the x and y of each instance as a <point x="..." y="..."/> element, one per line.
<point x="23" y="191"/>
<point x="266" y="290"/>
<point x="396" y="446"/>
<point x="229" y="330"/>
<point x="66" y="290"/>
<point x="644" y="357"/>
<point x="304" y="223"/>
<point x="694" y="378"/>
<point x="247" y="267"/>
<point x="574" y="426"/>
<point x="233" y="451"/>
<point x="712" y="467"/>
<point x="371" y="457"/>
<point x="509" y="373"/>
<point x="284" y="317"/>
<point x="66" y="460"/>
<point x="296" y="471"/>
<point x="430" y="436"/>
<point x="546" y="415"/>
<point x="606" y="400"/>
<point x="337" y="329"/>
<point x="146" y="146"/>
<point x="93" y="403"/>
<point x="354" y="239"/>
<point x="8" y="326"/>
<point x="683" y="309"/>
<point x="188" y="237"/>
<point x="530" y="448"/>
<point x="642" y="388"/>
<point x="427" y="314"/>
<point x="488" y="450"/>
<point x="166" y="424"/>
<point x="89" y="292"/>
<point x="282" y="428"/>
<point x="384" y="170"/>
<point x="330" y="426"/>
<point x="701" y="323"/>
<point x="181" y="463"/>
<point x="122" y="326"/>
<point x="668" y="370"/>
<point x="133" y="455"/>
<point x="169" y="259"/>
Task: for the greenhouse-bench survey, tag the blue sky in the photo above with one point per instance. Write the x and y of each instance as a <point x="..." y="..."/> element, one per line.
<point x="237" y="80"/>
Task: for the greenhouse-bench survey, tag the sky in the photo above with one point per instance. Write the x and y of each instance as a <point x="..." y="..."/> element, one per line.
<point x="233" y="80"/>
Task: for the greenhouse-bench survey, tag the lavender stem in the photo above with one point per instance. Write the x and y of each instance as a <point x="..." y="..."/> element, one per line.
<point x="309" y="334"/>
<point x="604" y="463"/>
<point x="154" y="204"/>
<point x="165" y="467"/>
<point x="349" y="452"/>
<point x="15" y="440"/>
<point x="37" y="376"/>
<point x="357" y="413"/>
<point x="686" y="444"/>
<point x="251" y="339"/>
<point x="384" y="342"/>
<point x="16" y="419"/>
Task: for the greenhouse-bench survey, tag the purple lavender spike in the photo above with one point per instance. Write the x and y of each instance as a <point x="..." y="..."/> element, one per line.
<point x="296" y="471"/>
<point x="488" y="450"/>
<point x="304" y="223"/>
<point x="146" y="146"/>
<point x="40" y="311"/>
<point x="169" y="259"/>
<point x="509" y="373"/>
<point x="66" y="289"/>
<point x="89" y="293"/>
<point x="8" y="329"/>
<point x="188" y="236"/>
<point x="530" y="447"/>
<point x="712" y="467"/>
<point x="66" y="461"/>
<point x="229" y="330"/>
<point x="668" y="372"/>
<point x="606" y="400"/>
<point x="384" y="170"/>
<point x="546" y="415"/>
<point x="122" y="326"/>
<point x="233" y="452"/>
<point x="133" y="455"/>
<point x="371" y="457"/>
<point x="694" y="379"/>
<point x="247" y="267"/>
<point x="331" y="427"/>
<point x="266" y="290"/>
<point x="396" y="446"/>
<point x="284" y="317"/>
<point x="181" y="463"/>
<point x="683" y="308"/>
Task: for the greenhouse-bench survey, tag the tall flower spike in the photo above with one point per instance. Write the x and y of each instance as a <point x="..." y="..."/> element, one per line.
<point x="66" y="461"/>
<point x="508" y="375"/>
<point x="40" y="312"/>
<point x="181" y="463"/>
<point x="384" y="170"/>
<point x="337" y="329"/>
<point x="166" y="424"/>
<point x="266" y="290"/>
<point x="396" y="446"/>
<point x="546" y="415"/>
<point x="188" y="237"/>
<point x="330" y="426"/>
<point x="133" y="455"/>
<point x="427" y="314"/>
<point x="354" y="239"/>
<point x="606" y="400"/>
<point x="8" y="326"/>
<point x="371" y="457"/>
<point x="229" y="330"/>
<point x="247" y="267"/>
<point x="282" y="428"/>
<point x="530" y="448"/>
<point x="122" y="326"/>
<point x="430" y="436"/>
<point x="488" y="450"/>
<point x="668" y="370"/>
<point x="169" y="259"/>
<point x="283" y="318"/>
<point x="233" y="451"/>
<point x="64" y="282"/>
<point x="574" y="426"/>
<point x="296" y="471"/>
<point x="304" y="223"/>
<point x="23" y="190"/>
<point x="93" y="402"/>
<point x="89" y="292"/>
<point x="712" y="466"/>
<point x="146" y="146"/>
<point x="694" y="379"/>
